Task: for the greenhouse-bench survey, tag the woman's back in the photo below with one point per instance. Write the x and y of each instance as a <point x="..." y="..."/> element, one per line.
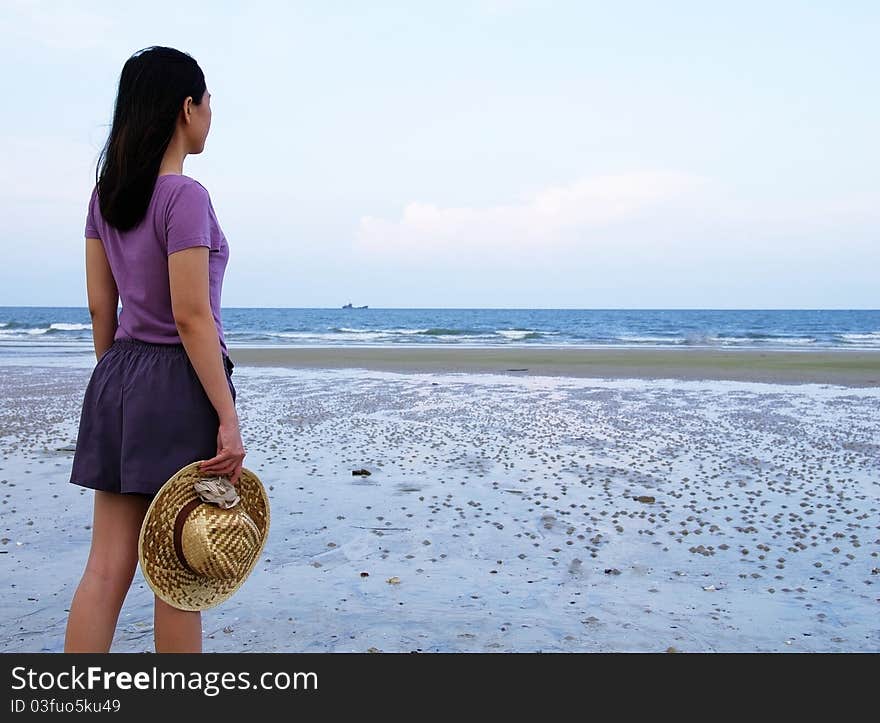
<point x="180" y="215"/>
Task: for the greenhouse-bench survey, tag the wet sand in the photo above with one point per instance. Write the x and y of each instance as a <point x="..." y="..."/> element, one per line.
<point x="850" y="368"/>
<point x="503" y="512"/>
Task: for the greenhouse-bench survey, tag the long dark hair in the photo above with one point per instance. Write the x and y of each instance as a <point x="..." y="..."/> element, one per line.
<point x="152" y="87"/>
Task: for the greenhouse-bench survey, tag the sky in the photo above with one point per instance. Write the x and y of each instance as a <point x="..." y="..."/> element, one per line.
<point x="475" y="153"/>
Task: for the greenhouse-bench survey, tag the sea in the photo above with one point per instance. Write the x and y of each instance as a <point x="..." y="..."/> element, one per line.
<point x="26" y="329"/>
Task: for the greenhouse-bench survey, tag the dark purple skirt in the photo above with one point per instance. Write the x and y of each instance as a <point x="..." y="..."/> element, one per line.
<point x="145" y="415"/>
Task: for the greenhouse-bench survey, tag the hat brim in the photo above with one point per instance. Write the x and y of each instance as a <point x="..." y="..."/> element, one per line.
<point x="169" y="579"/>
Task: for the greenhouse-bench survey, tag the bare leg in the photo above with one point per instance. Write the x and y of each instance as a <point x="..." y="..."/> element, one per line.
<point x="176" y="631"/>
<point x="113" y="558"/>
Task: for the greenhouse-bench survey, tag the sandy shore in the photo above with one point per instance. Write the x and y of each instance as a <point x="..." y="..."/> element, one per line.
<point x="849" y="368"/>
<point x="501" y="514"/>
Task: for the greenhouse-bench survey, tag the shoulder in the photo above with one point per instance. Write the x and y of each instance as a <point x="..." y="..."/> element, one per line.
<point x="178" y="180"/>
<point x="93" y="214"/>
<point x="196" y="181"/>
<point x="189" y="180"/>
<point x="186" y="196"/>
<point x="184" y="189"/>
<point x="94" y="207"/>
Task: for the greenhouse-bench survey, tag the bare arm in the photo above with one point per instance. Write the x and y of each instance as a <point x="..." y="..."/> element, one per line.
<point x="191" y="306"/>
<point x="103" y="296"/>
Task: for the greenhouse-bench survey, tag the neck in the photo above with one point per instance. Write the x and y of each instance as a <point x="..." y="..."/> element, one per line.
<point x="172" y="161"/>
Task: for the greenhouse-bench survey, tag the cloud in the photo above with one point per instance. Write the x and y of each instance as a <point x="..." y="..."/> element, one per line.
<point x="645" y="217"/>
<point x="555" y="216"/>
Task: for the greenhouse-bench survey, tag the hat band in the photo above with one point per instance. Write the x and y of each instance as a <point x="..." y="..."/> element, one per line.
<point x="179" y="521"/>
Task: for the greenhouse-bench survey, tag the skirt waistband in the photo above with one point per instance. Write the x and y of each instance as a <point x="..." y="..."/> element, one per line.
<point x="177" y="349"/>
<point x="150" y="346"/>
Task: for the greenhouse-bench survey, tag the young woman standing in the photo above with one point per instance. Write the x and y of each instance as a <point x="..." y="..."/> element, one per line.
<point x="160" y="395"/>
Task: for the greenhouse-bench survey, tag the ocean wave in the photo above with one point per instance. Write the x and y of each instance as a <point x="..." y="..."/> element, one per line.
<point x="61" y="326"/>
<point x="519" y="334"/>
<point x="31" y="332"/>
<point x="712" y="340"/>
<point x="316" y="335"/>
<point x="403" y="332"/>
<point x="650" y="339"/>
<point x="869" y="336"/>
<point x="870" y="340"/>
<point x="795" y="340"/>
<point x="441" y="331"/>
<point x="55" y="328"/>
<point x="345" y="329"/>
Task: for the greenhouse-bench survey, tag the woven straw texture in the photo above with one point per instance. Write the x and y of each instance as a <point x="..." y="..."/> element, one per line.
<point x="232" y="538"/>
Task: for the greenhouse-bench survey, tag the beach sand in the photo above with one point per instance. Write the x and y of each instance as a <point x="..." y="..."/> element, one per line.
<point x="509" y="511"/>
<point x="850" y="368"/>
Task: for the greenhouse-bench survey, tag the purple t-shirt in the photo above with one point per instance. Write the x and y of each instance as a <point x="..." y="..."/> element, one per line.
<point x="180" y="215"/>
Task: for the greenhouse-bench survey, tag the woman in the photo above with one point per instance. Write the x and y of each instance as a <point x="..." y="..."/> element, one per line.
<point x="160" y="395"/>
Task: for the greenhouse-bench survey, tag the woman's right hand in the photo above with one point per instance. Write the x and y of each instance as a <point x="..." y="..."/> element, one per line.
<point x="230" y="453"/>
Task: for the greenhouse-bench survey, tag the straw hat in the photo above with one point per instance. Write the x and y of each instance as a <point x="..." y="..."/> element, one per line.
<point x="202" y="537"/>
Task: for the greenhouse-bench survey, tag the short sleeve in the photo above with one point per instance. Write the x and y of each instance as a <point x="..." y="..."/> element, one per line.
<point x="188" y="219"/>
<point x="91" y="226"/>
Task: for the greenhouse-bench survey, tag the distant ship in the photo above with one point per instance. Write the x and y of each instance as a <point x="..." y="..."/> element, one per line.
<point x="349" y="306"/>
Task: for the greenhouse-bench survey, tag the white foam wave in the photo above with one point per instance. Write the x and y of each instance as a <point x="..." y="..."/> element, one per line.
<point x="61" y="326"/>
<point x="666" y="339"/>
<point x="870" y="336"/>
<point x="383" y="331"/>
<point x="32" y="332"/>
<point x="797" y="340"/>
<point x="514" y="333"/>
<point x="317" y="336"/>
